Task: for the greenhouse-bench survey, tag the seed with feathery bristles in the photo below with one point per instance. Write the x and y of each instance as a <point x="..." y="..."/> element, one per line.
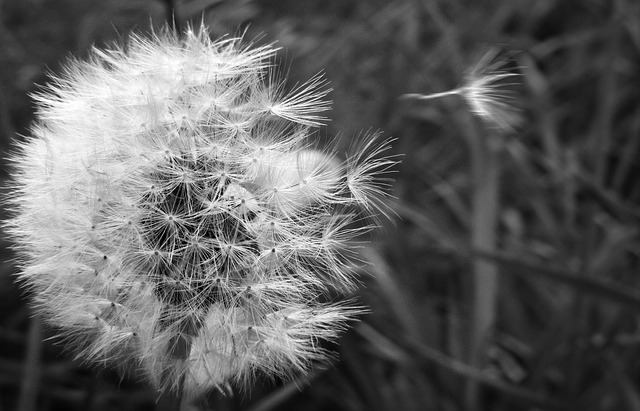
<point x="171" y="215"/>
<point x="486" y="91"/>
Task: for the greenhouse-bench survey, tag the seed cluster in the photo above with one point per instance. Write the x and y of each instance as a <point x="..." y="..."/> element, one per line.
<point x="172" y="216"/>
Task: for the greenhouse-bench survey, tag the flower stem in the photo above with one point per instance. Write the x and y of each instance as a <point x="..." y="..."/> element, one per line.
<point x="484" y="273"/>
<point x="31" y="375"/>
<point x="170" y="401"/>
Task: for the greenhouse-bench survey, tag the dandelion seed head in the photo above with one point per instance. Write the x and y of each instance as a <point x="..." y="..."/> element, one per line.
<point x="171" y="216"/>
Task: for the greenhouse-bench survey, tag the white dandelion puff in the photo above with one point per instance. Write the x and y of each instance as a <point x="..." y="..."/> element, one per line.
<point x="171" y="216"/>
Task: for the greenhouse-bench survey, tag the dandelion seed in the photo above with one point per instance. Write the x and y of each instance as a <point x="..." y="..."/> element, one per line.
<point x="170" y="214"/>
<point x="486" y="91"/>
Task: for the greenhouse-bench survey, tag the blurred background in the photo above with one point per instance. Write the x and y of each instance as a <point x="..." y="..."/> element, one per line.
<point x="507" y="276"/>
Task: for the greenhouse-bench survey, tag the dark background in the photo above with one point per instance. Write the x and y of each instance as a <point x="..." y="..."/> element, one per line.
<point x="531" y="233"/>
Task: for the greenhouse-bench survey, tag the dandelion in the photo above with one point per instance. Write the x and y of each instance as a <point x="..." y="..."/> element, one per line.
<point x="486" y="91"/>
<point x="173" y="215"/>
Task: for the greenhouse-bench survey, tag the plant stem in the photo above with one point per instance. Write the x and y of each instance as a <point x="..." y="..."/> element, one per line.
<point x="170" y="401"/>
<point x="31" y="376"/>
<point x="484" y="272"/>
<point x="179" y="350"/>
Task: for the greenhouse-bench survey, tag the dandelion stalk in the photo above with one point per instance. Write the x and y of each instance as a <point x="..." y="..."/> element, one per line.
<point x="484" y="226"/>
<point x="173" y="216"/>
<point x="30" y="386"/>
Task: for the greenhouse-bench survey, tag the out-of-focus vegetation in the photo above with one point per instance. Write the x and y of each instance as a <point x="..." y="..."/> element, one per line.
<point x="508" y="277"/>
